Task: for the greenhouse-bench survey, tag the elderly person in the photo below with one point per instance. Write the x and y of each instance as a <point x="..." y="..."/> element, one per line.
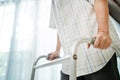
<point x="75" y="19"/>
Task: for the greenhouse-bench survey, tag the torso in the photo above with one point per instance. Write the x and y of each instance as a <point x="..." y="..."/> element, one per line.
<point x="76" y="19"/>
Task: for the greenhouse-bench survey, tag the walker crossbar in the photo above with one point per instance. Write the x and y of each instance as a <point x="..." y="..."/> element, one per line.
<point x="50" y="63"/>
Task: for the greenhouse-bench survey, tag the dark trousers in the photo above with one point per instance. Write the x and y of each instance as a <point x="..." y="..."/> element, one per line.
<point x="108" y="72"/>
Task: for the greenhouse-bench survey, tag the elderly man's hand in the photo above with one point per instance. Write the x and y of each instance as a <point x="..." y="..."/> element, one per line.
<point x="103" y="40"/>
<point x="53" y="55"/>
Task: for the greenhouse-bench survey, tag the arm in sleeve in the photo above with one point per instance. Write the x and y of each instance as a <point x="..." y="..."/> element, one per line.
<point x="52" y="21"/>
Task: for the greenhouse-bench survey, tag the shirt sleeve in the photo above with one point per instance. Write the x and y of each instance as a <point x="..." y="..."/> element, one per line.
<point x="52" y="21"/>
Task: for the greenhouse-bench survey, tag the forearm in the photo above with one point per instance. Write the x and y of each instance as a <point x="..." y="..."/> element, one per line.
<point x="102" y="12"/>
<point x="58" y="46"/>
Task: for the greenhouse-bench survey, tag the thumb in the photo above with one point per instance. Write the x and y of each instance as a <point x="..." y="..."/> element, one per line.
<point x="49" y="56"/>
<point x="97" y="41"/>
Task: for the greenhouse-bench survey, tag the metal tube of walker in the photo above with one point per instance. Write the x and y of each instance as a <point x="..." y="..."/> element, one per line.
<point x="73" y="58"/>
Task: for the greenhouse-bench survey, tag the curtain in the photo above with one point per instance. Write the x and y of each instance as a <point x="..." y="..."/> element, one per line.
<point x="24" y="36"/>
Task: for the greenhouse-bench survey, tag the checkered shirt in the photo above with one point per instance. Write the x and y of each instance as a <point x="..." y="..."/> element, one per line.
<point x="75" y="19"/>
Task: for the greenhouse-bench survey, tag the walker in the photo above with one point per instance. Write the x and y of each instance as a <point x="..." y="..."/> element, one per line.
<point x="72" y="58"/>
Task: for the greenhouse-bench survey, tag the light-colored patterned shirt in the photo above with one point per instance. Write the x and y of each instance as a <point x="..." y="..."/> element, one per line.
<point x="75" y="19"/>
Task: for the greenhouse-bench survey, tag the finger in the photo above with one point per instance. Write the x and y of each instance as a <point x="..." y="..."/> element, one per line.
<point x="50" y="57"/>
<point x="103" y="43"/>
<point x="97" y="42"/>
